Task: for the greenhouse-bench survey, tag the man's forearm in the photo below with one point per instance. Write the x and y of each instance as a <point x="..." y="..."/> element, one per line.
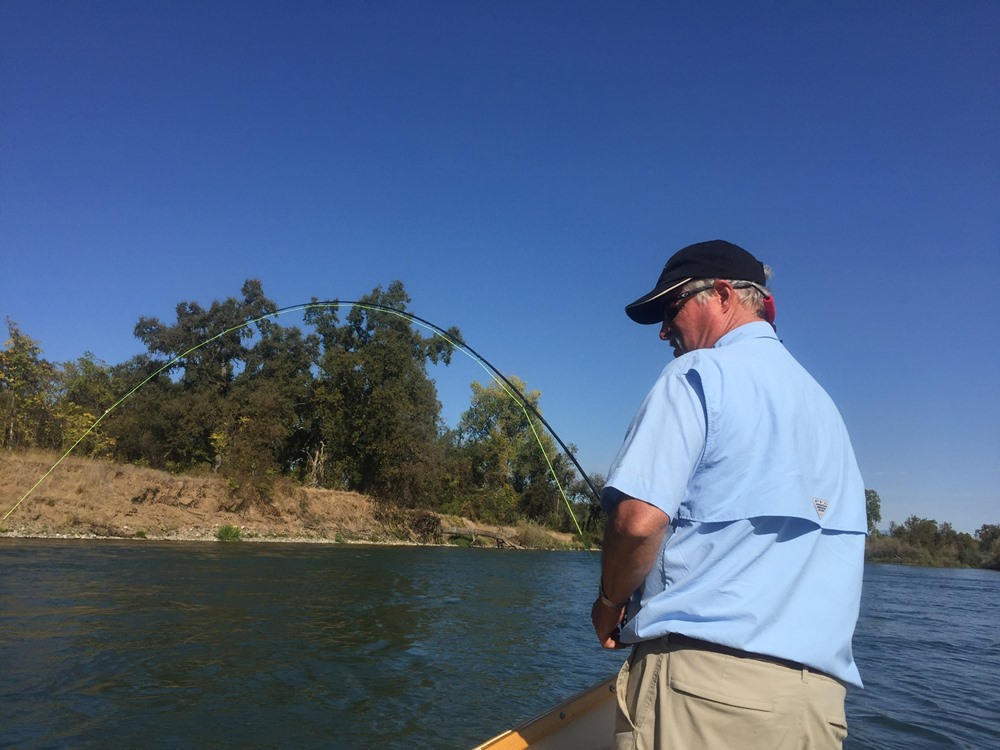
<point x="632" y="540"/>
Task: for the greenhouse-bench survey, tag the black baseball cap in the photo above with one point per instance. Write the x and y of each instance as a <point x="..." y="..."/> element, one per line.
<point x="715" y="259"/>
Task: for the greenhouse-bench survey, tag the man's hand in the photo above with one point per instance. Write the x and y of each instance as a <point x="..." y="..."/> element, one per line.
<point x="607" y="622"/>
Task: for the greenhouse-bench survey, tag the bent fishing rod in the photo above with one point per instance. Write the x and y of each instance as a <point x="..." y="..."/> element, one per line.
<point x="494" y="372"/>
<point x="498" y="376"/>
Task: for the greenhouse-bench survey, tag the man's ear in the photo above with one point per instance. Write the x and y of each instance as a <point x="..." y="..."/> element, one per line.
<point x="727" y="295"/>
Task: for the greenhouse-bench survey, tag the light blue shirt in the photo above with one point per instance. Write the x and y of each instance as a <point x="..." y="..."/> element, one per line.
<point x="751" y="460"/>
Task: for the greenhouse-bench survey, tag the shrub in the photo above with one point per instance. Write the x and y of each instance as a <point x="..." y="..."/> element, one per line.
<point x="228" y="533"/>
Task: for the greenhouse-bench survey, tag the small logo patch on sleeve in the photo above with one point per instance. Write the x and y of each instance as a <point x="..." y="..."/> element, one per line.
<point x="820" y="505"/>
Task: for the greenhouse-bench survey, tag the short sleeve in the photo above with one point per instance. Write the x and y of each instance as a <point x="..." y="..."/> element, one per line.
<point x="663" y="445"/>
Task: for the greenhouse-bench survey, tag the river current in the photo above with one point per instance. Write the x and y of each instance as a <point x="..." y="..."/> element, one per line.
<point x="144" y="644"/>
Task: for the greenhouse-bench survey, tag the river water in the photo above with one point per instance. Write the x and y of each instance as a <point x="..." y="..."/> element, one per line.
<point x="142" y="644"/>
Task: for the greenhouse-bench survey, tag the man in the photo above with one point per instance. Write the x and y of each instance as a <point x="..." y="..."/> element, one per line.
<point x="734" y="547"/>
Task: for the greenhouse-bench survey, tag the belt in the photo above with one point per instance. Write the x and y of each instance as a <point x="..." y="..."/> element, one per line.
<point x="696" y="643"/>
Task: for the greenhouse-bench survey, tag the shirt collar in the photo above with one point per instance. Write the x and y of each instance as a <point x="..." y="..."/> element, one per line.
<point x="747" y="331"/>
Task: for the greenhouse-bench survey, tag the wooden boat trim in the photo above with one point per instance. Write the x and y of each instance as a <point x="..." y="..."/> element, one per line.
<point x="537" y="729"/>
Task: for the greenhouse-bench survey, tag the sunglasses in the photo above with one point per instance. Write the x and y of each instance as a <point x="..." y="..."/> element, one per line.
<point x="673" y="306"/>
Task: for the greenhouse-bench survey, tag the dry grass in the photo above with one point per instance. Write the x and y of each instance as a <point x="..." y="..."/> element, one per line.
<point x="86" y="498"/>
<point x="81" y="497"/>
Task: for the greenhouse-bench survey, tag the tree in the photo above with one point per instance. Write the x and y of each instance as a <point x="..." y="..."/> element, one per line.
<point x="279" y="369"/>
<point x="203" y="353"/>
<point x="596" y="515"/>
<point x="208" y="345"/>
<point x="922" y="532"/>
<point x="988" y="534"/>
<point x="376" y="409"/>
<point x="27" y="394"/>
<point x="265" y="416"/>
<point x="873" y="508"/>
<point x="142" y="425"/>
<point x="957" y="547"/>
<point x="86" y="392"/>
<point x="922" y="541"/>
<point x="988" y="537"/>
<point x="509" y="456"/>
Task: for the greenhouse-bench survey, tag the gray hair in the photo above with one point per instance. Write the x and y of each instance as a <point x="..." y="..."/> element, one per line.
<point x="750" y="294"/>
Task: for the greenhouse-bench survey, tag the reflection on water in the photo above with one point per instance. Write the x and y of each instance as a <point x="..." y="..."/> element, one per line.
<point x="141" y="644"/>
<point x="287" y="645"/>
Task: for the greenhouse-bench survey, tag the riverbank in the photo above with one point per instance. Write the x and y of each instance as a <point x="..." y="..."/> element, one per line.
<point x="83" y="498"/>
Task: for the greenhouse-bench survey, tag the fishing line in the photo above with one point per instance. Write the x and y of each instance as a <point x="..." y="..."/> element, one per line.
<point x="505" y="384"/>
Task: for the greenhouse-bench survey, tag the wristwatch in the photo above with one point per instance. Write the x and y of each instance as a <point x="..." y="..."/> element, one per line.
<point x="605" y="600"/>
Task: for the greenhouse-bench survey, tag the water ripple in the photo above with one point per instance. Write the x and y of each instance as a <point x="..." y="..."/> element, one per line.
<point x="167" y="645"/>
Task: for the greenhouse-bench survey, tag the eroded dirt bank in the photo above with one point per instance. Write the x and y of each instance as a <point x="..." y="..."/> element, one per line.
<point x="84" y="498"/>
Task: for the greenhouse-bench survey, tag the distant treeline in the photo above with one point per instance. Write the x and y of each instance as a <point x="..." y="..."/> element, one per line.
<point x="337" y="403"/>
<point x="922" y="541"/>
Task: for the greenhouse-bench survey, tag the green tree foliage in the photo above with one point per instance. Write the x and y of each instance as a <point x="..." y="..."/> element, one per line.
<point x="376" y="411"/>
<point x="265" y="416"/>
<point x="203" y="353"/>
<point x="348" y="404"/>
<point x="275" y="390"/>
<point x="989" y="544"/>
<point x="27" y="394"/>
<point x="508" y="455"/>
<point x="208" y="346"/>
<point x="146" y="425"/>
<point x="594" y="518"/>
<point x="922" y="541"/>
<point x="873" y="508"/>
<point x="86" y="391"/>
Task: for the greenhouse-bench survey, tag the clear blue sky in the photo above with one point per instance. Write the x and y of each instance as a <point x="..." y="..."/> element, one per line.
<point x="525" y="168"/>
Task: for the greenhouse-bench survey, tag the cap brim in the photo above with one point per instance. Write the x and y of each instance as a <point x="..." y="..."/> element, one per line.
<point x="648" y="309"/>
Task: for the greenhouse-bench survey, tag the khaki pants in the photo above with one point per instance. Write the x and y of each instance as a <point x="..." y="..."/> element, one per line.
<point x="675" y="697"/>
